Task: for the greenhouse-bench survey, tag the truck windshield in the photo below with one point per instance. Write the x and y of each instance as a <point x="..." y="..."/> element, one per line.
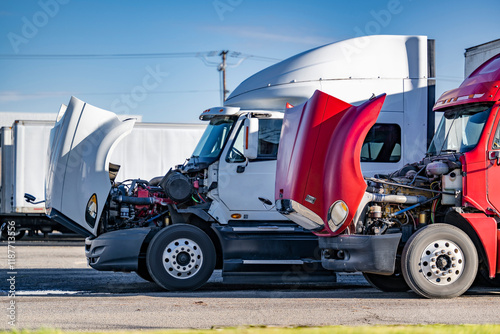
<point x="212" y="142"/>
<point x="460" y="129"/>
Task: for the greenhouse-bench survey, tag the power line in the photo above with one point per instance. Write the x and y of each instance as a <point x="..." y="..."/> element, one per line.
<point x="47" y="94"/>
<point x="201" y="55"/>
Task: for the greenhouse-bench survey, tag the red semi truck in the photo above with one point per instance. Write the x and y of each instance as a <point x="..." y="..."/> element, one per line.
<point x="428" y="226"/>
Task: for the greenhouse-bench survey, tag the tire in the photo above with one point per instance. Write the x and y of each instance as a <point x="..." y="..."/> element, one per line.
<point x="144" y="274"/>
<point x="483" y="278"/>
<point x="18" y="236"/>
<point x="454" y="255"/>
<point x="177" y="243"/>
<point x="392" y="283"/>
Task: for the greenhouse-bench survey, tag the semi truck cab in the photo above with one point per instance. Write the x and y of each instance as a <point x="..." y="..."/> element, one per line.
<point x="428" y="226"/>
<point x="244" y="143"/>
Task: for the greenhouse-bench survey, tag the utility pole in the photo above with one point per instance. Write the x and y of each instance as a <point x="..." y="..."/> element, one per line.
<point x="222" y="67"/>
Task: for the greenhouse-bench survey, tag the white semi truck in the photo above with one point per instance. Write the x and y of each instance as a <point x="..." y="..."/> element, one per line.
<point x="24" y="164"/>
<point x="216" y="210"/>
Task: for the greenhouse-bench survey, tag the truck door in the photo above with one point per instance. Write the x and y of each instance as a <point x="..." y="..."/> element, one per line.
<point x="493" y="167"/>
<point x="243" y="181"/>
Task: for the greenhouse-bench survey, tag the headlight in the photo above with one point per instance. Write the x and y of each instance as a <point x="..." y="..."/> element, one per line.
<point x="337" y="215"/>
<point x="91" y="210"/>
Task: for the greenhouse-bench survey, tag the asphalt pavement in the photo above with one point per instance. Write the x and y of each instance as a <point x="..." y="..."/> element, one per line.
<point x="54" y="288"/>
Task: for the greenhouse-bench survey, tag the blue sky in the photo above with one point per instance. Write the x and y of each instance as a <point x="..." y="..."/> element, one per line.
<point x="178" y="89"/>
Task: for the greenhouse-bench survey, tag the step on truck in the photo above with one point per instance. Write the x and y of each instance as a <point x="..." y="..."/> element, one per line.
<point x="216" y="210"/>
<point x="428" y="226"/>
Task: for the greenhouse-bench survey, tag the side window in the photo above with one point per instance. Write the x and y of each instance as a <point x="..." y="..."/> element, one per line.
<point x="382" y="144"/>
<point x="269" y="138"/>
<point x="236" y="152"/>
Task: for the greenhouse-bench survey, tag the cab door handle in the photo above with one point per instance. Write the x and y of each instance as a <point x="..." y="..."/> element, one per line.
<point x="492" y="155"/>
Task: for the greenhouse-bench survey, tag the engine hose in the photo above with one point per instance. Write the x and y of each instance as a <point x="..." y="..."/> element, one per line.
<point x="413" y="206"/>
<point x="156" y="217"/>
<point x="134" y="200"/>
<point x="131" y="189"/>
<point x="122" y="190"/>
<point x="407" y="186"/>
<point x="400" y="199"/>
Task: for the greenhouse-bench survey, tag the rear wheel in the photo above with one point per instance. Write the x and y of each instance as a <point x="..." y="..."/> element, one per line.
<point x="439" y="261"/>
<point x="181" y="257"/>
<point x="17" y="235"/>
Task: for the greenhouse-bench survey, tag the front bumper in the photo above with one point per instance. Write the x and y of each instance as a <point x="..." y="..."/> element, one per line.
<point x="365" y="253"/>
<point x="116" y="250"/>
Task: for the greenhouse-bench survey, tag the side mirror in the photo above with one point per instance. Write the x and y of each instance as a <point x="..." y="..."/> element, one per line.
<point x="29" y="198"/>
<point x="251" y="137"/>
<point x="494" y="155"/>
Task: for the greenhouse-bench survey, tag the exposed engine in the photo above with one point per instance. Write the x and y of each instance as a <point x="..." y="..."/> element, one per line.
<point x="140" y="203"/>
<point x="413" y="196"/>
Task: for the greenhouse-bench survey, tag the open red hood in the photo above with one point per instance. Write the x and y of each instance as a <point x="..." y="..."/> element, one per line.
<point x="319" y="160"/>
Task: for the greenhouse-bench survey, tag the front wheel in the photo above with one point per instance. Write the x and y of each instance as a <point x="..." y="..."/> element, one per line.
<point x="389" y="283"/>
<point x="392" y="283"/>
<point x="181" y="257"/>
<point x="144" y="274"/>
<point x="483" y="278"/>
<point x="439" y="261"/>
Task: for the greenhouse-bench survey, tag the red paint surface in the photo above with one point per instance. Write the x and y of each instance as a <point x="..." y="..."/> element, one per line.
<point x="486" y="230"/>
<point x="481" y="176"/>
<point x="484" y="80"/>
<point x="475" y="182"/>
<point x="498" y="251"/>
<point x="319" y="154"/>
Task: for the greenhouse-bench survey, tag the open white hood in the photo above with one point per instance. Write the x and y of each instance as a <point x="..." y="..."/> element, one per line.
<point x="81" y="144"/>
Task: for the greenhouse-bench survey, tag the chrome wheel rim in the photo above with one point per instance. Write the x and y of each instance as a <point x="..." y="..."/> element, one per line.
<point x="182" y="258"/>
<point x="442" y="262"/>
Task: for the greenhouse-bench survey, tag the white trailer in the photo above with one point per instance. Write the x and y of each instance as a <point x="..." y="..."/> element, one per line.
<point x="24" y="163"/>
<point x="477" y="55"/>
